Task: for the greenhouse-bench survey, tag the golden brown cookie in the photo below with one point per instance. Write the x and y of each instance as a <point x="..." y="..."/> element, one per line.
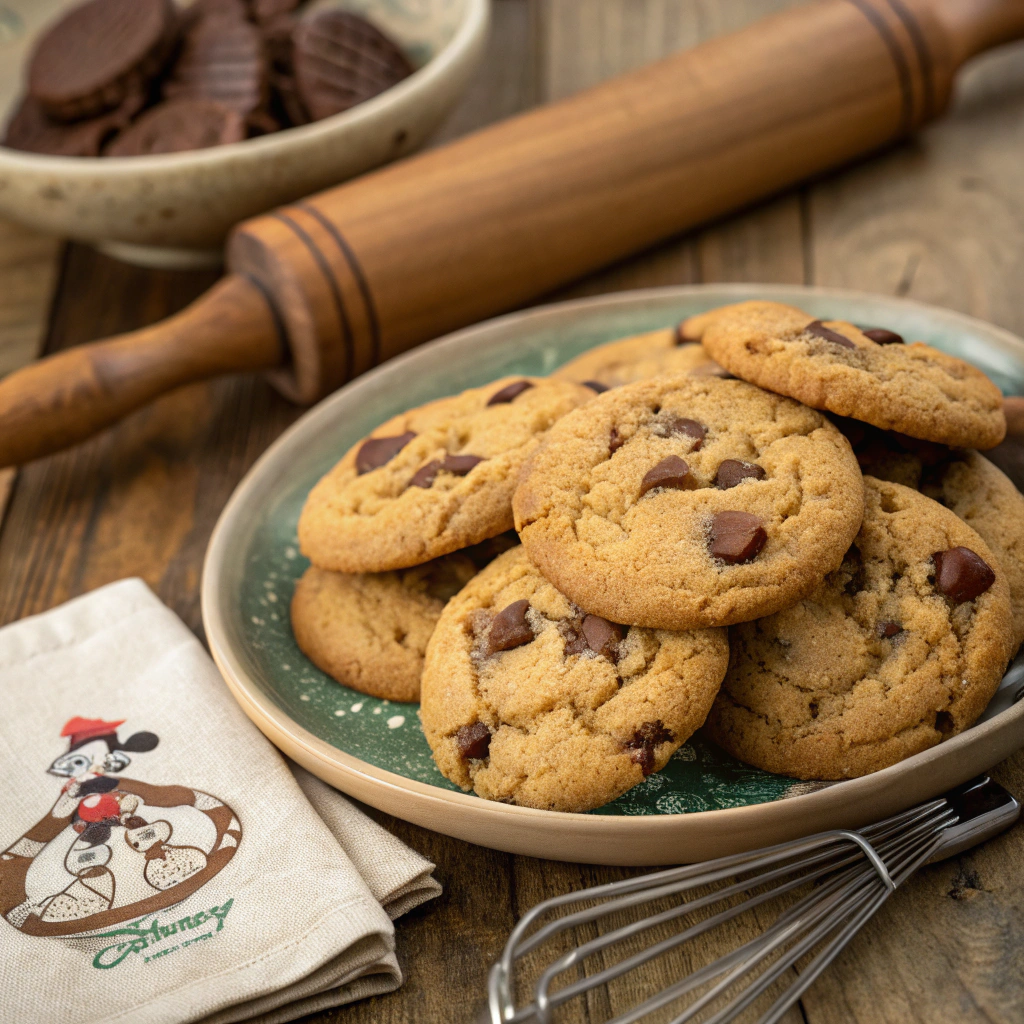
<point x="872" y="376"/>
<point x="900" y="648"/>
<point x="637" y="358"/>
<point x="967" y="484"/>
<point x="370" y="630"/>
<point x="529" y="700"/>
<point x="681" y="502"/>
<point x="432" y="480"/>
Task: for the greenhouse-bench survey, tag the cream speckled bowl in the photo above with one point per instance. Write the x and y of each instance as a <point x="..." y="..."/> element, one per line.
<point x="175" y="210"/>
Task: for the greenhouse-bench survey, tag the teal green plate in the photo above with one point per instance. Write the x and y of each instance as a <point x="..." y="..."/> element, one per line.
<point x="703" y="803"/>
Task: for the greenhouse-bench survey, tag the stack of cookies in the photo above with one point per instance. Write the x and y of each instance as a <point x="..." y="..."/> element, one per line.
<point x="775" y="528"/>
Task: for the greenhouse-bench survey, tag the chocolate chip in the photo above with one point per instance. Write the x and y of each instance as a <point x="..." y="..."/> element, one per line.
<point x="380" y="450"/>
<point x="880" y="336"/>
<point x="424" y="476"/>
<point x="679" y="426"/>
<point x="473" y="741"/>
<point x="736" y="536"/>
<point x="510" y="628"/>
<point x="887" y="630"/>
<point x="672" y="471"/>
<point x="961" y="574"/>
<point x="572" y="634"/>
<point x="460" y="465"/>
<point x="682" y="338"/>
<point x="602" y="636"/>
<point x="733" y="471"/>
<point x="649" y="736"/>
<point x="595" y="385"/>
<point x="615" y="442"/>
<point x="818" y="329"/>
<point x="509" y="391"/>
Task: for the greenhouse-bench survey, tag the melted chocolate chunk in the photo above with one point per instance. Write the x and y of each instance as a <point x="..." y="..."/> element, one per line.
<point x="672" y="471"/>
<point x="509" y="392"/>
<point x="880" y="336"/>
<point x="961" y="574"/>
<point x="380" y="450"/>
<point x="819" y="330"/>
<point x="473" y="741"/>
<point x="642" y="746"/>
<point x="602" y="636"/>
<point x="615" y="442"/>
<point x="736" y="537"/>
<point x="459" y="465"/>
<point x="733" y="472"/>
<point x="887" y="630"/>
<point x="595" y="385"/>
<point x="424" y="476"/>
<point x="510" y="628"/>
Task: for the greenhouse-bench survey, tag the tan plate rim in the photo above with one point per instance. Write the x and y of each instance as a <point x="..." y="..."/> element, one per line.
<point x="586" y="838"/>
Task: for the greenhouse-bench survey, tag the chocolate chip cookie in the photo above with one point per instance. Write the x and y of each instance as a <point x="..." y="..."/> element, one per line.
<point x="681" y="502"/>
<point x="870" y="376"/>
<point x="432" y="480"/>
<point x="637" y="358"/>
<point x="899" y="649"/>
<point x="530" y="700"/>
<point x="370" y="630"/>
<point x="967" y="484"/>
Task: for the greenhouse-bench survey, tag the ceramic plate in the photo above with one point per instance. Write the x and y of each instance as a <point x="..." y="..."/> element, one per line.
<point x="704" y="804"/>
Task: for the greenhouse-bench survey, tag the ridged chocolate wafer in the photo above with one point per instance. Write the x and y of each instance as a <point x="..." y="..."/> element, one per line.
<point x="222" y="58"/>
<point x="99" y="54"/>
<point x="178" y="125"/>
<point x="341" y="60"/>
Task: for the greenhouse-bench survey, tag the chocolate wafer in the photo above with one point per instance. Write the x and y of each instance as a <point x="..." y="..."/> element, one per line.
<point x="178" y="125"/>
<point x="99" y="54"/>
<point x="341" y="60"/>
<point x="31" y="131"/>
<point x="222" y="59"/>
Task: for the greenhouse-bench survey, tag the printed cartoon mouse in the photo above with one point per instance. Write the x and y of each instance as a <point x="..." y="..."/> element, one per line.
<point x="111" y="849"/>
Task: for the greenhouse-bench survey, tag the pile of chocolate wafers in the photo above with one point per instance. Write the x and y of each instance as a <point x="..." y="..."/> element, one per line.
<point x="135" y="77"/>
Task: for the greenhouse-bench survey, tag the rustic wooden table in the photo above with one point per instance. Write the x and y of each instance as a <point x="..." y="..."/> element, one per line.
<point x="940" y="219"/>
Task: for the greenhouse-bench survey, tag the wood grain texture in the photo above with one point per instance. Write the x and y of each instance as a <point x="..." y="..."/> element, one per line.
<point x="143" y="498"/>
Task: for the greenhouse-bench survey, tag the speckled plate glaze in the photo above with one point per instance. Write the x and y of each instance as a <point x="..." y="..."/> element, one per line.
<point x="704" y="804"/>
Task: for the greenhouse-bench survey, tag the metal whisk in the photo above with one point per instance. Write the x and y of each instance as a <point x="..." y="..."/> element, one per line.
<point x="849" y="875"/>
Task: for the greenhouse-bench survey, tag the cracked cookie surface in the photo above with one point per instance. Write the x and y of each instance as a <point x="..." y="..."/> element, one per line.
<point x="683" y="502"/>
<point x="639" y="357"/>
<point x="914" y="389"/>
<point x="432" y="480"/>
<point x="966" y="483"/>
<point x="528" y="700"/>
<point x="369" y="631"/>
<point x="891" y="655"/>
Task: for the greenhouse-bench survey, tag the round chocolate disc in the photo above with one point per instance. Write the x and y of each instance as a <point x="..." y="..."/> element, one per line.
<point x="178" y="125"/>
<point x="32" y="131"/>
<point x="341" y="60"/>
<point x="98" y="54"/>
<point x="222" y="58"/>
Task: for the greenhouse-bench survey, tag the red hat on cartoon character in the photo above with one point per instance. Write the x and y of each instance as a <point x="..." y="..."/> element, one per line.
<point x="81" y="730"/>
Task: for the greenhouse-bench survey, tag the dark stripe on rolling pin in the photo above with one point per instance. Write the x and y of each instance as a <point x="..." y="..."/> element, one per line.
<point x="898" y="58"/>
<point x="282" y="332"/>
<point x="357" y="273"/>
<point x="924" y="55"/>
<point x="325" y="269"/>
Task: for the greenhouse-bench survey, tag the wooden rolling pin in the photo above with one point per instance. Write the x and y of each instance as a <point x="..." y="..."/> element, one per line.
<point x="322" y="290"/>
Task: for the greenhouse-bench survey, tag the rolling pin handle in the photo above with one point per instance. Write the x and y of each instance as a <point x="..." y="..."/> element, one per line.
<point x="73" y="394"/>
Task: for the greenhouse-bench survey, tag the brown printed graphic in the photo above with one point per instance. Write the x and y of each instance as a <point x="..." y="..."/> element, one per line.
<point x="111" y="849"/>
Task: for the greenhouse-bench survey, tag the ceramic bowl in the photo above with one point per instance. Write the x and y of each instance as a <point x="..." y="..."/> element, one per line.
<point x="703" y="803"/>
<point x="176" y="209"/>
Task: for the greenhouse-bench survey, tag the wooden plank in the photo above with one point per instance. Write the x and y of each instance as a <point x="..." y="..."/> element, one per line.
<point x="28" y="268"/>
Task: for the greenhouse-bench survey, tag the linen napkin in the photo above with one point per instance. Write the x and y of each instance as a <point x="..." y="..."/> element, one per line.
<point x="160" y="860"/>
